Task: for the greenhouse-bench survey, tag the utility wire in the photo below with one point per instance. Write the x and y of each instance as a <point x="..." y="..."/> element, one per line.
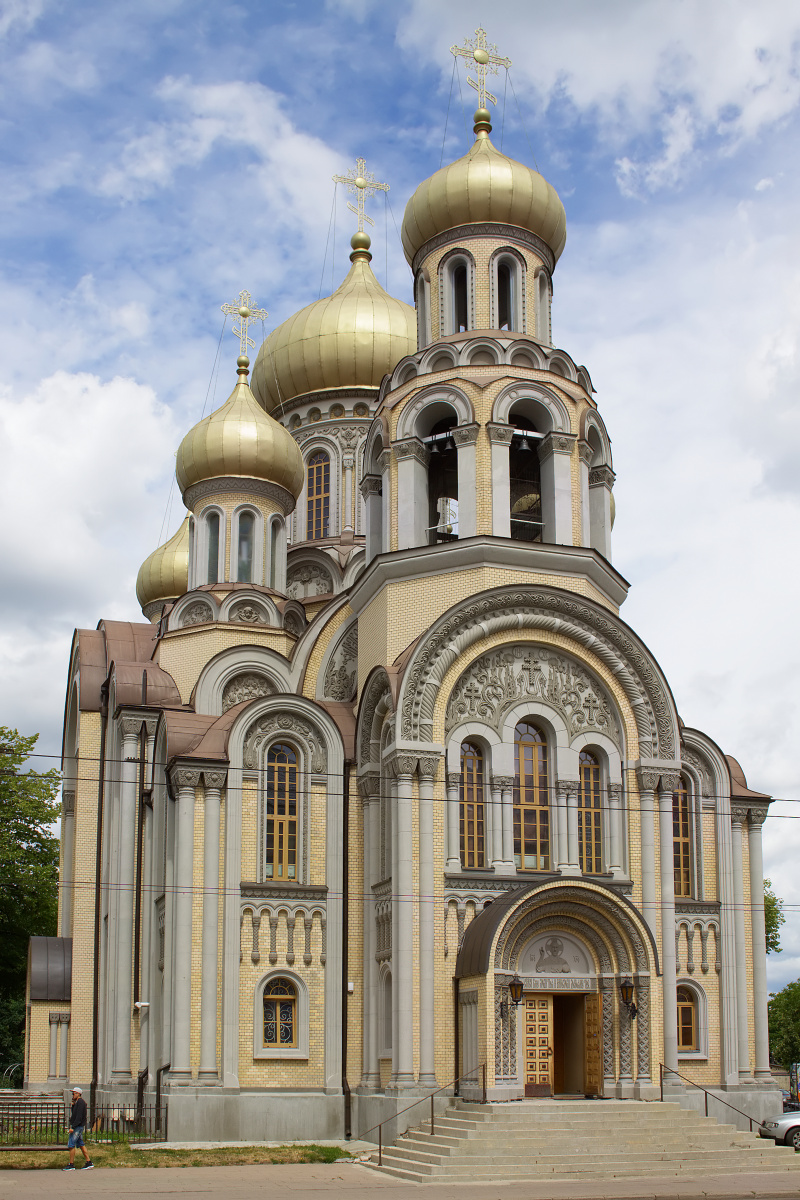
<point x="447" y="116"/>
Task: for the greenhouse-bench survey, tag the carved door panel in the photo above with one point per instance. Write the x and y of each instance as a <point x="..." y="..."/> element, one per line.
<point x="593" y="1035"/>
<point x="538" y="1043"/>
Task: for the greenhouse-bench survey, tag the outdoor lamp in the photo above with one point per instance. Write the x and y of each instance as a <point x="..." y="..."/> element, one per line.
<point x="515" y="990"/>
<point x="626" y="992"/>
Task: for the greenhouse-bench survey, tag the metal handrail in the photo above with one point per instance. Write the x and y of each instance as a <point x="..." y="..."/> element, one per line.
<point x="422" y="1099"/>
<point x="713" y="1095"/>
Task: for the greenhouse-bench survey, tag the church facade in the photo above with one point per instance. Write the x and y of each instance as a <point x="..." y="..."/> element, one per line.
<point x="382" y="791"/>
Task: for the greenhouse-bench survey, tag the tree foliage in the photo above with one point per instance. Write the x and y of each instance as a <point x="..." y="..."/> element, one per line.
<point x="29" y="872"/>
<point x="773" y="918"/>
<point x="784" y="1025"/>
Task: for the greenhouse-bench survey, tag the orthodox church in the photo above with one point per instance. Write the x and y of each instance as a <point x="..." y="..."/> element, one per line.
<point x="382" y="792"/>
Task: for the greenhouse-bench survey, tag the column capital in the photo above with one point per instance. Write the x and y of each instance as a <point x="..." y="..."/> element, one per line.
<point x="429" y="766"/>
<point x="465" y="435"/>
<point x="739" y="814"/>
<point x="384" y="460"/>
<point x="214" y="780"/>
<point x="585" y="452"/>
<point x="182" y="777"/>
<point x="371" y="485"/>
<point x="401" y="764"/>
<point x="369" y="786"/>
<point x="670" y="782"/>
<point x="67" y="803"/>
<point x="500" y="435"/>
<point x="131" y="723"/>
<point x="567" y="787"/>
<point x="601" y="477"/>
<point x="647" y="778"/>
<point x="758" y="816"/>
<point x="411" y="448"/>
<point x="556" y="443"/>
<point x="504" y="782"/>
<point x="453" y="779"/>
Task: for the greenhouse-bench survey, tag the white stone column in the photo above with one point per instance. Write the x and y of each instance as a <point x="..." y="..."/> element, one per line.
<point x="68" y="859"/>
<point x="123" y="996"/>
<point x="668" y="961"/>
<point x="738" y="821"/>
<point x="615" y="829"/>
<point x="500" y="437"/>
<point x="63" y="1046"/>
<point x="371" y="492"/>
<point x="555" y="459"/>
<point x="184" y="782"/>
<point x="495" y="795"/>
<point x="647" y="781"/>
<point x="465" y="437"/>
<point x="347" y="515"/>
<point x="403" y="925"/>
<point x="585" y="454"/>
<point x="756" y="819"/>
<point x="412" y="494"/>
<point x="53" y="1063"/>
<point x="385" y="464"/>
<point x="506" y="785"/>
<point x="453" y="822"/>
<point x="370" y="787"/>
<point x="428" y="770"/>
<point x="601" y="481"/>
<point x="213" y="782"/>
<point x="567" y="792"/>
<point x="560" y="859"/>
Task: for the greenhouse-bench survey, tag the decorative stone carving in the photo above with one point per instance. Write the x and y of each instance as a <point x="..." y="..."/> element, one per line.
<point x="376" y="690"/>
<point x="758" y="815"/>
<point x="701" y="769"/>
<point x="67" y="804"/>
<point x="248" y="613"/>
<point x="465" y="435"/>
<point x="184" y="777"/>
<point x="504" y="782"/>
<point x="601" y="476"/>
<point x="643" y="1029"/>
<point x="371" y="485"/>
<point x="285" y="724"/>
<point x="255" y="953"/>
<point x="214" y="780"/>
<point x="429" y="766"/>
<point x="341" y="676"/>
<point x="500" y="435"/>
<point x="248" y="686"/>
<point x="739" y="814"/>
<point x="292" y="623"/>
<point x="556" y="443"/>
<point x="411" y="448"/>
<point x="225" y="485"/>
<point x="384" y="461"/>
<point x="585" y="452"/>
<point x="308" y="579"/>
<point x="198" y="613"/>
<point x="647" y="779"/>
<point x="503" y="677"/>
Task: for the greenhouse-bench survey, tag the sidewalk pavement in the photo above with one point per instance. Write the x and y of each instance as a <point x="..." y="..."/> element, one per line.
<point x="303" y="1181"/>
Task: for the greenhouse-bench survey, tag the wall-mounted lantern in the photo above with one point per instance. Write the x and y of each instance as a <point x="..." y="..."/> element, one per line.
<point x="626" y="993"/>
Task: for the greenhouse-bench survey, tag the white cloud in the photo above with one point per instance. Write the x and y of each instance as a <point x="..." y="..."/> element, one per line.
<point x="19" y="15"/>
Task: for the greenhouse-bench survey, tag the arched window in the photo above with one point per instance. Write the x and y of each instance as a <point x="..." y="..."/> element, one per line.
<point x="244" y="561"/>
<point x="460" y="297"/>
<point x="590" y="829"/>
<point x="682" y="840"/>
<point x="687" y="1020"/>
<point x="442" y="483"/>
<point x="423" y="337"/>
<point x="525" y="483"/>
<point x="456" y="294"/>
<point x="505" y="296"/>
<point x="472" y="821"/>
<point x="275" y="532"/>
<point x="280" y="860"/>
<point x="387" y="1013"/>
<point x="212" y="533"/>
<point x="280" y="1013"/>
<point x="543" y="308"/>
<point x="531" y="799"/>
<point x="318" y="509"/>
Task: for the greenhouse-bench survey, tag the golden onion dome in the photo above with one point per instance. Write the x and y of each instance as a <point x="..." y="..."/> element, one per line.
<point x="350" y="339"/>
<point x="165" y="574"/>
<point x="240" y="439"/>
<point x="484" y="186"/>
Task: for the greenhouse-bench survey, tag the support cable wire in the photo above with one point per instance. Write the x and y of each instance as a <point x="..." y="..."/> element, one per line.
<point x="503" y="126"/>
<point x="447" y="115"/>
<point x="463" y="110"/>
<point x="522" y="120"/>
<point x="327" y="243"/>
<point x="399" y="237"/>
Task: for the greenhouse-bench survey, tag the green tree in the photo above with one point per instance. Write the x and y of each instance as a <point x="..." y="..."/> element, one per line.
<point x="29" y="873"/>
<point x="773" y="918"/>
<point x="784" y="1024"/>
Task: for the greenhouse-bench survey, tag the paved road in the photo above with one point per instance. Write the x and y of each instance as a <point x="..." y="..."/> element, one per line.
<point x="313" y="1181"/>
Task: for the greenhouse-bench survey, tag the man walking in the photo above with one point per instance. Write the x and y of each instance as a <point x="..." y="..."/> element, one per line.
<point x="77" y="1124"/>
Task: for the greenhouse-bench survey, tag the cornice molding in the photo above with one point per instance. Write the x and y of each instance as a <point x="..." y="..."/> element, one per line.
<point x="224" y="485"/>
<point x="485" y="229"/>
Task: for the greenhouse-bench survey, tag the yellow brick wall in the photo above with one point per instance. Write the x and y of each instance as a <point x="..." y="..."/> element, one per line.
<point x="183" y="653"/>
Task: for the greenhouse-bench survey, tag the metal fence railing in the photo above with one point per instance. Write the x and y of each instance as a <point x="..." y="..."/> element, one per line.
<point x="44" y="1124"/>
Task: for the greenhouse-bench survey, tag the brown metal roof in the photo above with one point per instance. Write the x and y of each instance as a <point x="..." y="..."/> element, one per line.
<point x="161" y="688"/>
<point x="50" y="968"/>
<point x="739" y="788"/>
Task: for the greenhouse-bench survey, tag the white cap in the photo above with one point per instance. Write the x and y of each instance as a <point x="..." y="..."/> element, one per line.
<point x="78" y="1090"/>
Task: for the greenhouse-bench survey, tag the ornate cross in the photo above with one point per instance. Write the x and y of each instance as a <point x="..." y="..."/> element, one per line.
<point x="361" y="183"/>
<point x="485" y="58"/>
<point x="245" y="312"/>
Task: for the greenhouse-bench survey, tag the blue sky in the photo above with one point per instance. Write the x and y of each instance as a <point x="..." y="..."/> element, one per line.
<point x="156" y="158"/>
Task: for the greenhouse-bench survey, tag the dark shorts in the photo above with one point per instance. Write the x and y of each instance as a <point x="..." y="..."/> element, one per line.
<point x="76" y="1137"/>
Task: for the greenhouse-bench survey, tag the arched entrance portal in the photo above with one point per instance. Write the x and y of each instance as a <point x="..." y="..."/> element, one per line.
<point x="572" y="943"/>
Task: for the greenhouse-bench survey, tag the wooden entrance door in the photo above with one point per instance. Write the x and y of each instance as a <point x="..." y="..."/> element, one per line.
<point x="593" y="1035"/>
<point x="538" y="1016"/>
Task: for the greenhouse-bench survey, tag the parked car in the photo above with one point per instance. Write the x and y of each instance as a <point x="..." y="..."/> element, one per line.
<point x="784" y="1129"/>
<point x="790" y="1105"/>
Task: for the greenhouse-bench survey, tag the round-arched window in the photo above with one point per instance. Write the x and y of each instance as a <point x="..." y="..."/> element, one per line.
<point x="531" y="799"/>
<point x="280" y="1013"/>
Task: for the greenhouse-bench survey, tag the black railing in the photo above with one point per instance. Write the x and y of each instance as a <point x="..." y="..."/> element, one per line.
<point x="700" y="1088"/>
<point x="468" y="1075"/>
<point x="44" y="1124"/>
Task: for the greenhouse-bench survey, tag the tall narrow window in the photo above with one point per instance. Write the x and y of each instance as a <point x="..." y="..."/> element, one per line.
<point x="319" y="496"/>
<point x="422" y="312"/>
<point x="460" y="297"/>
<point x="280" y="1013"/>
<point x="543" y="308"/>
<point x="505" y="296"/>
<point x="212" y="530"/>
<point x="525" y="484"/>
<point x="442" y="484"/>
<point x="687" y="1020"/>
<point x="590" y="829"/>
<point x="281" y="814"/>
<point x="472" y="827"/>
<point x="275" y="530"/>
<point x="681" y="840"/>
<point x="244" y="567"/>
<point x="531" y="799"/>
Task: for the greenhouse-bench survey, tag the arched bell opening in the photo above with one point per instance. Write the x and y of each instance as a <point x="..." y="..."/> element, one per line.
<point x="525" y="481"/>
<point x="442" y="481"/>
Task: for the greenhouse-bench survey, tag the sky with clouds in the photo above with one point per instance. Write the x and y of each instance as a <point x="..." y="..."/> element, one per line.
<point x="157" y="157"/>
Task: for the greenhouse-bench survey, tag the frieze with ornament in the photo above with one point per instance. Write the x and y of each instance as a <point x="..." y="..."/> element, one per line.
<point x="341" y="677"/>
<point x="248" y="686"/>
<point x="504" y="677"/>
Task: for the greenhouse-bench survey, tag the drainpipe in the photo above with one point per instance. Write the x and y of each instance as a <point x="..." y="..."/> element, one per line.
<point x="98" y="867"/>
<point x="348" y="1130"/>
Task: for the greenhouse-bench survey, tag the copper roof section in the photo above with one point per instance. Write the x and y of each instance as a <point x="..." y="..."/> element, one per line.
<point x="739" y="788"/>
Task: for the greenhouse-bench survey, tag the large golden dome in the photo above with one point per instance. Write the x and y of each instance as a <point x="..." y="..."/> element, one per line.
<point x="484" y="186"/>
<point x="240" y="439"/>
<point x="165" y="574"/>
<point x="349" y="339"/>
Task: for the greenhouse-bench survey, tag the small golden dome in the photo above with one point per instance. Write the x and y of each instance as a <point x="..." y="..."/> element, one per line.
<point x="484" y="186"/>
<point x="349" y="339"/>
<point x="165" y="574"/>
<point x="240" y="439"/>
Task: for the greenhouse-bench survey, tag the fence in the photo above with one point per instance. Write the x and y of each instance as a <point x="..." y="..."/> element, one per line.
<point x="43" y="1125"/>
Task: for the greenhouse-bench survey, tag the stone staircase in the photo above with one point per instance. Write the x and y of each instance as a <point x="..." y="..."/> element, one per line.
<point x="583" y="1139"/>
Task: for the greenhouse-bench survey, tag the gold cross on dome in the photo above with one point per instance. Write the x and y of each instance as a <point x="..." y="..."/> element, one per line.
<point x="482" y="58"/>
<point x="361" y="183"/>
<point x="245" y="312"/>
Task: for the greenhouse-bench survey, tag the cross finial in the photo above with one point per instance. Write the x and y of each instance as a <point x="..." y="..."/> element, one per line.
<point x="483" y="58"/>
<point x="361" y="183"/>
<point x="245" y="312"/>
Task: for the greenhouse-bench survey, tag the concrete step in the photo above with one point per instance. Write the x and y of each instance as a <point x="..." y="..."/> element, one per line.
<point x="566" y="1145"/>
<point x="700" y="1156"/>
